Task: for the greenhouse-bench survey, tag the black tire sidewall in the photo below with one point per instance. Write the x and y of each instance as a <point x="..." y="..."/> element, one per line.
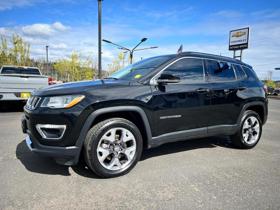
<point x="92" y="156"/>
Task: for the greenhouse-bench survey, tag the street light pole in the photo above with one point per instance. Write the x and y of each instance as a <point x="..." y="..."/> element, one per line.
<point x="99" y="38"/>
<point x="47" y="58"/>
<point x="130" y="57"/>
<point x="131" y="51"/>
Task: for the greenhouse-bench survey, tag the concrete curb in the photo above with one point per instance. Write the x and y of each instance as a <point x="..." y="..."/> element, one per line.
<point x="274" y="97"/>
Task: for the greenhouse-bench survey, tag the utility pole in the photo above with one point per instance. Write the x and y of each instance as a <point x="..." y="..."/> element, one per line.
<point x="269" y="75"/>
<point x="99" y="38"/>
<point x="47" y="58"/>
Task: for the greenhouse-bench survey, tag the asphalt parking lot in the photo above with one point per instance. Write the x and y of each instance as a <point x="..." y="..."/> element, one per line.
<point x="205" y="173"/>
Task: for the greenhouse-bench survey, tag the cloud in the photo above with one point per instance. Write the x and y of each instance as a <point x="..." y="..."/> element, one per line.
<point x="171" y="13"/>
<point x="4" y="31"/>
<point x="40" y="29"/>
<point x="9" y="4"/>
<point x="208" y="34"/>
<point x="58" y="46"/>
<point x="267" y="13"/>
<point x="228" y="14"/>
<point x="59" y="26"/>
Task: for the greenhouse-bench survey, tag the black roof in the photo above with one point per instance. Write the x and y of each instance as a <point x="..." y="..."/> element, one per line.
<point x="211" y="56"/>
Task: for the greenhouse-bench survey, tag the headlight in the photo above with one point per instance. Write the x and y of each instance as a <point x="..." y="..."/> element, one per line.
<point x="56" y="102"/>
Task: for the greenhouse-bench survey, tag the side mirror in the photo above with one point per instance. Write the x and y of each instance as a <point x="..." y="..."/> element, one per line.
<point x="167" y="78"/>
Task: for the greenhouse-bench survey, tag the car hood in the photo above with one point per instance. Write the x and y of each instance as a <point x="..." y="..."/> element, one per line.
<point x="79" y="87"/>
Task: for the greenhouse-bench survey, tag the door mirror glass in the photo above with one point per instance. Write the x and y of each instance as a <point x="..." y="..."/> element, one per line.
<point x="167" y="78"/>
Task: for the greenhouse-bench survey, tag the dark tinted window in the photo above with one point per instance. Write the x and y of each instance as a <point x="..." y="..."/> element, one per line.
<point x="250" y="72"/>
<point x="187" y="69"/>
<point x="219" y="71"/>
<point x="240" y="74"/>
<point x="13" y="70"/>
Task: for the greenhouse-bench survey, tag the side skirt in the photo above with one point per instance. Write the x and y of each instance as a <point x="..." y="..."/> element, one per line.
<point x="193" y="134"/>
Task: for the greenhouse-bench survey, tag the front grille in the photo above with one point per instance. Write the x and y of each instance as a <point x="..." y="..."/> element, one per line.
<point x="32" y="102"/>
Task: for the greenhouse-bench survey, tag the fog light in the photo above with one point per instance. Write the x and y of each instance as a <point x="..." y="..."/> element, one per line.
<point x="50" y="131"/>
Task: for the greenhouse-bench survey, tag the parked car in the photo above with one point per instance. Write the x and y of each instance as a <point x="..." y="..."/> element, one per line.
<point x="17" y="82"/>
<point x="276" y="92"/>
<point x="270" y="90"/>
<point x="155" y="101"/>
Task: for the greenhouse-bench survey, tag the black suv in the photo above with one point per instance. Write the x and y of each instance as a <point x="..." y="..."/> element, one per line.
<point x="157" y="100"/>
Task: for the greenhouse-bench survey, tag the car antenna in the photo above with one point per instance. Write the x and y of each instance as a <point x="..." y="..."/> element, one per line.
<point x="180" y="50"/>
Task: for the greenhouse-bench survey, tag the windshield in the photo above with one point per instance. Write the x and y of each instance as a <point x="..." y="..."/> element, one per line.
<point x="140" y="69"/>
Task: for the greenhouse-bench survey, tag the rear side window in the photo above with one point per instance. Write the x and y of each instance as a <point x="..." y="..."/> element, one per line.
<point x="187" y="69"/>
<point x="13" y="70"/>
<point x="219" y="71"/>
<point x="240" y="74"/>
<point x="250" y="72"/>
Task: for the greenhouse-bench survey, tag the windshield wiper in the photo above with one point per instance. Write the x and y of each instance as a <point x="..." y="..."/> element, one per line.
<point x="111" y="78"/>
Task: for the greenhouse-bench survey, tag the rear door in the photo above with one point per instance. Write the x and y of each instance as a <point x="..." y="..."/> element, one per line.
<point x="184" y="105"/>
<point x="225" y="104"/>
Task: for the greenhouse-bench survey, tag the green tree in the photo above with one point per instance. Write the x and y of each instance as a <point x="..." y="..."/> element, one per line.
<point x="270" y="83"/>
<point x="117" y="63"/>
<point x="14" y="51"/>
<point x="74" y="68"/>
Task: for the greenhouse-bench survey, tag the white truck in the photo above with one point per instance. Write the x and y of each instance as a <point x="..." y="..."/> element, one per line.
<point x="18" y="82"/>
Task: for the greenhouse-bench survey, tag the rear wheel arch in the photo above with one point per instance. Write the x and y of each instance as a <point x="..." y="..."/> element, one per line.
<point x="258" y="107"/>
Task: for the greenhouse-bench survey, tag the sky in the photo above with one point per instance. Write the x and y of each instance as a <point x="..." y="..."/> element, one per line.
<point x="203" y="26"/>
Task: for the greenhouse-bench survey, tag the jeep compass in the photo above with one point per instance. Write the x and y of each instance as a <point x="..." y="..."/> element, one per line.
<point x="162" y="99"/>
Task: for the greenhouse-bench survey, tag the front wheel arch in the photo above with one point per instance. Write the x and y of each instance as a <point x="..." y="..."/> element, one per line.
<point x="91" y="120"/>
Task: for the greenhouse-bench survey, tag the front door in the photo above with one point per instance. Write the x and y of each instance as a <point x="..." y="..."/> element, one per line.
<point x="184" y="105"/>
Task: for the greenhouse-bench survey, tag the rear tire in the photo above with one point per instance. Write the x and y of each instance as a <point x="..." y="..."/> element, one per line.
<point x="113" y="147"/>
<point x="249" y="132"/>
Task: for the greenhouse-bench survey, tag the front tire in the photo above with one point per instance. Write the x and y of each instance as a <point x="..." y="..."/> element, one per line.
<point x="250" y="131"/>
<point x="113" y="147"/>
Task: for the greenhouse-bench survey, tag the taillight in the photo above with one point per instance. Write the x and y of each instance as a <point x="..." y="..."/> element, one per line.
<point x="50" y="81"/>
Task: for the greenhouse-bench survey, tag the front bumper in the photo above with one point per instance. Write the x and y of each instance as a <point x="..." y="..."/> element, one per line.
<point x="11" y="97"/>
<point x="63" y="155"/>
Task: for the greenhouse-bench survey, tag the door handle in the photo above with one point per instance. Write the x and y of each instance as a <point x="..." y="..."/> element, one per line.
<point x="202" y="90"/>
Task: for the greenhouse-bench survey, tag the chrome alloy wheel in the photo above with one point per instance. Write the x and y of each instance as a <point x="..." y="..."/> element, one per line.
<point x="116" y="149"/>
<point x="251" y="130"/>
